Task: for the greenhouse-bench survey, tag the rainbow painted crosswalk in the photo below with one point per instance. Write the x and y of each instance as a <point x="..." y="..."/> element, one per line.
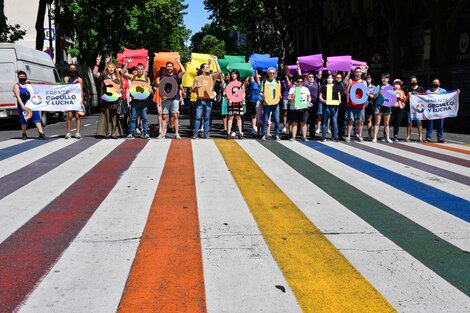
<point x="233" y="226"/>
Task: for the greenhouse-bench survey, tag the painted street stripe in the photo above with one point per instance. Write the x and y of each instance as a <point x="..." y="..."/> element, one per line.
<point x="447" y="202"/>
<point x="25" y="175"/>
<point x="90" y="276"/>
<point x="10" y="151"/>
<point x="446" y="226"/>
<point x="23" y="159"/>
<point x="240" y="274"/>
<point x="401" y="279"/>
<point x="20" y="206"/>
<point x="43" y="239"/>
<point x="394" y="163"/>
<point x="432" y="154"/>
<point x="451" y="167"/>
<point x="320" y="276"/>
<point x="447" y="147"/>
<point x="444" y="259"/>
<point x="448" y="152"/>
<point x="11" y="142"/>
<point x="167" y="273"/>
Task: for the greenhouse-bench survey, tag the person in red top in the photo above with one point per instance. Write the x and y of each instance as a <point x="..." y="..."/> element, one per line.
<point x="355" y="110"/>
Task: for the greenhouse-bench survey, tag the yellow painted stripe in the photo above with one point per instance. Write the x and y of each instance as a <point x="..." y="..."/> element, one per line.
<point x="320" y="277"/>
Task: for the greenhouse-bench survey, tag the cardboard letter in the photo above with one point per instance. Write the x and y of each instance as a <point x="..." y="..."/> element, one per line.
<point x="389" y="96"/>
<point x="353" y="93"/>
<point x="329" y="95"/>
<point x="234" y="95"/>
<point x="173" y="84"/>
<point x="206" y="87"/>
<point x="267" y="94"/>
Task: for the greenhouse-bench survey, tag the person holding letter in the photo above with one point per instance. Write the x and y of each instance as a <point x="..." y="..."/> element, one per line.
<point x="271" y="95"/>
<point x="381" y="96"/>
<point x="235" y="94"/>
<point x="203" y="86"/>
<point x="73" y="78"/>
<point x="330" y="97"/>
<point x="299" y="100"/>
<point x="414" y="89"/>
<point x="111" y="88"/>
<point x="370" y="107"/>
<point x="357" y="99"/>
<point x="397" y="109"/>
<point x="168" y="85"/>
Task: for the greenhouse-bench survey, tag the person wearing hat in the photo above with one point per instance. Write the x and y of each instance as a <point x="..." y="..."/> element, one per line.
<point x="398" y="108"/>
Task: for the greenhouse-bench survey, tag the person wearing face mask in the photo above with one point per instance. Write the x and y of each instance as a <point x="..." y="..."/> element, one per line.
<point x="296" y="115"/>
<point x="356" y="110"/>
<point x="413" y="89"/>
<point x="203" y="106"/>
<point x="436" y="88"/>
<point x="73" y="78"/>
<point x="22" y="96"/>
<point x="398" y="108"/>
<point x="330" y="112"/>
<point x="370" y="107"/>
<point x="343" y="109"/>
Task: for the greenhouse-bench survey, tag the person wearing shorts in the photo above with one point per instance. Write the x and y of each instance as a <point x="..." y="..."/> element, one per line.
<point x="356" y="110"/>
<point x="170" y="107"/>
<point x="382" y="110"/>
<point x="298" y="115"/>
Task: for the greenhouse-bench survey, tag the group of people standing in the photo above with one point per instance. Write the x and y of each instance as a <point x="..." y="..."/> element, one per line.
<point x="300" y="100"/>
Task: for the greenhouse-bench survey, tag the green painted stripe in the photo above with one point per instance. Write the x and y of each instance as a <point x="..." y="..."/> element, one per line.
<point x="448" y="261"/>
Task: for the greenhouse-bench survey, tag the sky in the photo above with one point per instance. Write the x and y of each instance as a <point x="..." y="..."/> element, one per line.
<point x="196" y="15"/>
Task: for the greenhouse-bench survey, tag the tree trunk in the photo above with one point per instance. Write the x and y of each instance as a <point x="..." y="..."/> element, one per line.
<point x="40" y="25"/>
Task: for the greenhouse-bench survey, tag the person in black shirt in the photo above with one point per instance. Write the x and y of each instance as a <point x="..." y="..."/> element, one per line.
<point x="413" y="89"/>
<point x="330" y="111"/>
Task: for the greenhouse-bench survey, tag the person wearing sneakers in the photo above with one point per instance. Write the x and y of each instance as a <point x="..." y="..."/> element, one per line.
<point x="381" y="109"/>
<point x="286" y="85"/>
<point x="22" y="96"/>
<point x="73" y="78"/>
<point x="413" y="89"/>
<point x="170" y="106"/>
<point x="138" y="107"/>
<point x="398" y="108"/>
<point x="436" y="88"/>
<point x="330" y="111"/>
<point x="298" y="115"/>
<point x="356" y="111"/>
<point x="273" y="106"/>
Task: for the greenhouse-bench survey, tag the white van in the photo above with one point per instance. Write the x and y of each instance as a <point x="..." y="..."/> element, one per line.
<point x="38" y="66"/>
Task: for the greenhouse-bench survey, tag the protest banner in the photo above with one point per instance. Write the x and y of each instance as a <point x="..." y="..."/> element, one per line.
<point x="311" y="62"/>
<point x="138" y="56"/>
<point x="431" y="106"/>
<point x="54" y="97"/>
<point x="339" y="63"/>
<point x="162" y="58"/>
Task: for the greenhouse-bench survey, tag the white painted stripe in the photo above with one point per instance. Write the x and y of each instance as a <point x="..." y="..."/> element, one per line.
<point x="444" y="151"/>
<point x="20" y="160"/>
<point x="11" y="142"/>
<point x="240" y="273"/>
<point x="438" y="182"/>
<point x="20" y="206"/>
<point x="54" y="136"/>
<point x="86" y="125"/>
<point x="424" y="159"/>
<point x="405" y="282"/>
<point x="443" y="224"/>
<point x="92" y="273"/>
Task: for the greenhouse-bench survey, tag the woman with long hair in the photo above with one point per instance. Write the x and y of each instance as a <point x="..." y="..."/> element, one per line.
<point x="111" y="88"/>
<point x="73" y="78"/>
<point x="235" y="109"/>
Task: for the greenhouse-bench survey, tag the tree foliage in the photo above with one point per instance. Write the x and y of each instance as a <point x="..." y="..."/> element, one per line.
<point x="9" y="33"/>
<point x="107" y="26"/>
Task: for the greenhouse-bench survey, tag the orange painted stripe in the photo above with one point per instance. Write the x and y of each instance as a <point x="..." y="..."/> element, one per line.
<point x="444" y="147"/>
<point x="167" y="273"/>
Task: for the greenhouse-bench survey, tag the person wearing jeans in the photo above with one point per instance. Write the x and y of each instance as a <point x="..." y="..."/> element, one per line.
<point x="436" y="88"/>
<point x="138" y="109"/>
<point x="271" y="108"/>
<point x="203" y="110"/>
<point x="330" y="111"/>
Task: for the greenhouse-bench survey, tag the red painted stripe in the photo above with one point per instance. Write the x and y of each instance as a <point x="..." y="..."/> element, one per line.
<point x="29" y="253"/>
<point x="433" y="154"/>
<point x="444" y="147"/>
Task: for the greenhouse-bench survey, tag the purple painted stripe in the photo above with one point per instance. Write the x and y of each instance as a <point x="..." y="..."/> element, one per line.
<point x="432" y="154"/>
<point x="417" y="164"/>
<point x="27" y="174"/>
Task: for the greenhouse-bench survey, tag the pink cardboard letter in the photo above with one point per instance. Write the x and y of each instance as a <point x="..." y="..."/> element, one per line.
<point x="235" y="95"/>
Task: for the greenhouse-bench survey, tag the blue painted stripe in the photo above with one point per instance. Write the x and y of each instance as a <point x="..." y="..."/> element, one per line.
<point x="8" y="152"/>
<point x="447" y="202"/>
